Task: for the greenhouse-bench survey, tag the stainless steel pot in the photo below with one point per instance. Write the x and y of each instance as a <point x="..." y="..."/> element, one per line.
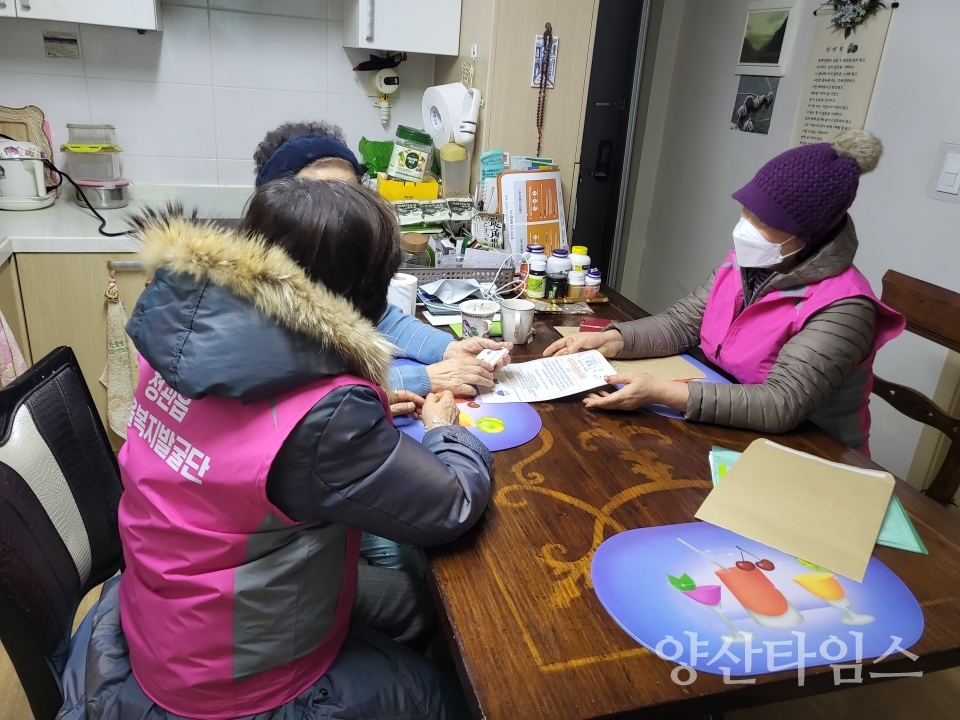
<point x="108" y="197"/>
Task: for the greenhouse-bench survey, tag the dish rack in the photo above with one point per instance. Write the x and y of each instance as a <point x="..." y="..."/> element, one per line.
<point x="426" y="275"/>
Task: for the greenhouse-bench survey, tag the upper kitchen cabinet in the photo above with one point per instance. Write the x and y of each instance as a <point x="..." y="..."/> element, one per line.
<point x="418" y="26"/>
<point x="8" y="8"/>
<point x="138" y="14"/>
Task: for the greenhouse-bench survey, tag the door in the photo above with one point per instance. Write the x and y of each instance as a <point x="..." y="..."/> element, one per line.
<point x="610" y="93"/>
<point x="64" y="305"/>
<point x="8" y="8"/>
<point x="140" y="14"/>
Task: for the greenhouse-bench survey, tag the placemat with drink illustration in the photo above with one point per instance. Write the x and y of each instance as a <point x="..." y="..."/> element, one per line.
<point x="498" y="426"/>
<point x="714" y="601"/>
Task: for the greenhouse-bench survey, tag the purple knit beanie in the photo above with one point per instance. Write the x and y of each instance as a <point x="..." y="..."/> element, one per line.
<point x="807" y="190"/>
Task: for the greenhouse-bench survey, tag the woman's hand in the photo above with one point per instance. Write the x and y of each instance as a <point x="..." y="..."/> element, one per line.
<point x="404" y="402"/>
<point x="459" y="375"/>
<point x="639" y="389"/>
<point x="439" y="410"/>
<point x="471" y="346"/>
<point x="608" y="342"/>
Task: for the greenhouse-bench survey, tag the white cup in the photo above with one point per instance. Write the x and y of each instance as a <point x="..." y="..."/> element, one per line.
<point x="516" y="320"/>
<point x="477" y="317"/>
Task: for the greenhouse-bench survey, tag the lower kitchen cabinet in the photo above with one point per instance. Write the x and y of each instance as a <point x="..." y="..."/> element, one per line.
<point x="63" y="304"/>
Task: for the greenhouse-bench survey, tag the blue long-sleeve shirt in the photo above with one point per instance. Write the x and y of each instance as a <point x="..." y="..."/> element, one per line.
<point x="417" y="341"/>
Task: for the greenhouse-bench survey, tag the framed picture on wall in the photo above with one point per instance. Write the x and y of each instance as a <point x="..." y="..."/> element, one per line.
<point x="767" y="37"/>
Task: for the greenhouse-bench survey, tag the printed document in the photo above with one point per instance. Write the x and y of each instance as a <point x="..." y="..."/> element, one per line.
<point x="549" y="378"/>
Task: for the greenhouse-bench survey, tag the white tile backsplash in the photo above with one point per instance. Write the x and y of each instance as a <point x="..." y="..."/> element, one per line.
<point x="236" y="172"/>
<point x="314" y="9"/>
<point x="158" y="119"/>
<point x="180" y="54"/>
<point x="269" y="52"/>
<point x="169" y="170"/>
<point x="21" y="48"/>
<point x="245" y="115"/>
<point x="62" y="99"/>
<point x="192" y="102"/>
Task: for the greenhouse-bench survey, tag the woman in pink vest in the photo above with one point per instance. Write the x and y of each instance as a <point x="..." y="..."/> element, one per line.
<point x="787" y="314"/>
<point x="259" y="447"/>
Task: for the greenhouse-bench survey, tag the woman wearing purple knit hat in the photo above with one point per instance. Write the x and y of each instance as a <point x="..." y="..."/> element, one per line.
<point x="787" y="314"/>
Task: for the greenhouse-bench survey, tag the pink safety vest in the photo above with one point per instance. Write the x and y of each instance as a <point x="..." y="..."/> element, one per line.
<point x="207" y="555"/>
<point x="746" y="342"/>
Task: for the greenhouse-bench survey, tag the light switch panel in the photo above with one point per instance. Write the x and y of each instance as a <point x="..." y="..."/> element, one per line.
<point x="944" y="182"/>
<point x="950" y="175"/>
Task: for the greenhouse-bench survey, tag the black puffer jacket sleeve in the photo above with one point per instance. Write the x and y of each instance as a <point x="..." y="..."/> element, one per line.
<point x="346" y="463"/>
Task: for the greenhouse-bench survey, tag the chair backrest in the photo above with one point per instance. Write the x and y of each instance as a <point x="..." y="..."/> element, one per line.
<point x="932" y="312"/>
<point x="59" y="494"/>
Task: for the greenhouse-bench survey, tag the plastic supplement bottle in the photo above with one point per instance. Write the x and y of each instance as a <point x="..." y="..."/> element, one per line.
<point x="579" y="260"/>
<point x="537" y="278"/>
<point x="591" y="284"/>
<point x="575" y="284"/>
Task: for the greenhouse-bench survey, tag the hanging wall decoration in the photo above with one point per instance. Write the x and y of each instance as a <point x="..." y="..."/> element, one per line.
<point x="842" y="70"/>
<point x="753" y="107"/>
<point x="767" y="38"/>
<point x="848" y="14"/>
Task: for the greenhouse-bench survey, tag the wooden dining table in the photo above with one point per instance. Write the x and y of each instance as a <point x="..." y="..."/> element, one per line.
<point x="527" y="633"/>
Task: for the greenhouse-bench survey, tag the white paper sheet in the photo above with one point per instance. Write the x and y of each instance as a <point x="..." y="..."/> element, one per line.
<point x="549" y="378"/>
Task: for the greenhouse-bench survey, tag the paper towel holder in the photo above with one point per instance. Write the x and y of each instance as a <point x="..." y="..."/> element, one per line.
<point x="450" y="113"/>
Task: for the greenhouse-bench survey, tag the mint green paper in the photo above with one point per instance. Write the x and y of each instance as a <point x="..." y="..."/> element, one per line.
<point x="896" y="531"/>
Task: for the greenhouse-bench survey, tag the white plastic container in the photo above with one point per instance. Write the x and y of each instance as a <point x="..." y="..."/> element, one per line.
<point x="575" y="284"/>
<point x="558" y="262"/>
<point x="454" y="170"/>
<point x="591" y="284"/>
<point x="91" y="134"/>
<point x="579" y="260"/>
<point x="93" y="166"/>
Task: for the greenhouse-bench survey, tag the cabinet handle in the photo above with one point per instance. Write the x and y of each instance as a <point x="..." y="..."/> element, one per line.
<point x="24" y="4"/>
<point x="370" y="20"/>
<point x="124" y="265"/>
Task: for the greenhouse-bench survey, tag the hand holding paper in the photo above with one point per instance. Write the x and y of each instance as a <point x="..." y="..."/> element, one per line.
<point x="549" y="378"/>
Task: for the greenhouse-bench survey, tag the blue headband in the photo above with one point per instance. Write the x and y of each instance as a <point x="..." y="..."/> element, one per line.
<point x="294" y="155"/>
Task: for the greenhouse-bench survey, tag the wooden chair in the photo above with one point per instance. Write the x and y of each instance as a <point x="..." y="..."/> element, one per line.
<point x="934" y="313"/>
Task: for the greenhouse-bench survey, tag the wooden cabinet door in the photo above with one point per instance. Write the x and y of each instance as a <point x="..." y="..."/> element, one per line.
<point x="140" y="14"/>
<point x="12" y="307"/>
<point x="64" y="305"/>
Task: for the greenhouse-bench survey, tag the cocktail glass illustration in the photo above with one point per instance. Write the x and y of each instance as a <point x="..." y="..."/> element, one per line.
<point x="708" y="595"/>
<point x="826" y="587"/>
<point x="752" y="588"/>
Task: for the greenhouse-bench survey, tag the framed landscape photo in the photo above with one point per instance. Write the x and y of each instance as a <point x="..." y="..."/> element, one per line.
<point x="767" y="37"/>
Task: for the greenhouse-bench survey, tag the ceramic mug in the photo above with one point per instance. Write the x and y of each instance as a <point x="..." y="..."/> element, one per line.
<point x="517" y="320"/>
<point x="478" y="317"/>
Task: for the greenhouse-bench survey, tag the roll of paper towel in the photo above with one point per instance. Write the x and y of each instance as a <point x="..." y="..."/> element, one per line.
<point x="403" y="293"/>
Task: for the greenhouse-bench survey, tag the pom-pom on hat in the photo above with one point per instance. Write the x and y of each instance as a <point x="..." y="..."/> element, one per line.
<point x="806" y="191"/>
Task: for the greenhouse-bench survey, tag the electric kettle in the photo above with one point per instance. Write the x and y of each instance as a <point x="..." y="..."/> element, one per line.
<point x="22" y="183"/>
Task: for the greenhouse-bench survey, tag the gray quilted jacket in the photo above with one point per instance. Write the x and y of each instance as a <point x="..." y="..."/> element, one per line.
<point x="815" y="375"/>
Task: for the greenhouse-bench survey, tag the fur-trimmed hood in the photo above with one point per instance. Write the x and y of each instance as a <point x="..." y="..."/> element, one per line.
<point x="231" y="316"/>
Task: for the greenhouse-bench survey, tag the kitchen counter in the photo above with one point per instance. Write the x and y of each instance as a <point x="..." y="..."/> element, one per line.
<point x="65" y="227"/>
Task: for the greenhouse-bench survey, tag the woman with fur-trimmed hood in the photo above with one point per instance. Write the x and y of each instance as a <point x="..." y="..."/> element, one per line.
<point x="260" y="446"/>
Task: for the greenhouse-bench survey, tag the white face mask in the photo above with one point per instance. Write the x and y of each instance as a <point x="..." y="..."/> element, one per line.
<point x="754" y="250"/>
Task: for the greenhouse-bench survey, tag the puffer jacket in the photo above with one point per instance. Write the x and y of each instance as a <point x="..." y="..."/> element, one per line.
<point x="228" y="318"/>
<point x="816" y="366"/>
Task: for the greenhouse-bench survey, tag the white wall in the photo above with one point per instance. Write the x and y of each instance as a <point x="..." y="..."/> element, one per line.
<point x="191" y="103"/>
<point x="915" y="107"/>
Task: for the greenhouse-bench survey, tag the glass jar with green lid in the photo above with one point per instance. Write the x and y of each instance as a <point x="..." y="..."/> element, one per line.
<point x="411" y="155"/>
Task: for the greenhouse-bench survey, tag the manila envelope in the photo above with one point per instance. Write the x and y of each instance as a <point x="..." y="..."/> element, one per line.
<point x="666" y="368"/>
<point x="824" y="512"/>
